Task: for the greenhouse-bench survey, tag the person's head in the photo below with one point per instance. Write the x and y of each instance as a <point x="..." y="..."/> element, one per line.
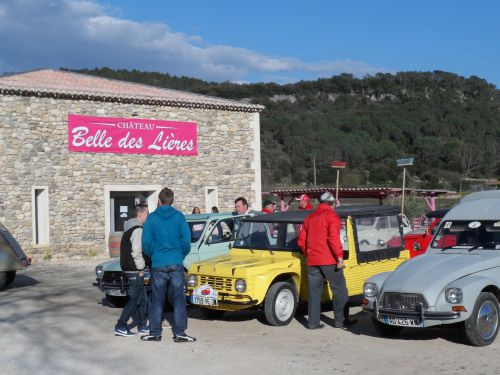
<point x="215" y="210"/>
<point x="166" y="197"/>
<point x="268" y="204"/>
<point x="141" y="212"/>
<point x="241" y="205"/>
<point x="303" y="200"/>
<point x="196" y="210"/>
<point x="328" y="199"/>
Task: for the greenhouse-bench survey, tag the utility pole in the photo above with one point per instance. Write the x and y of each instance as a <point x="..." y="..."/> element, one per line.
<point x="338" y="165"/>
<point x="404" y="163"/>
<point x="314" y="169"/>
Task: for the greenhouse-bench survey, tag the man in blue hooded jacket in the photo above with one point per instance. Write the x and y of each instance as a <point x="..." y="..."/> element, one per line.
<point x="166" y="239"/>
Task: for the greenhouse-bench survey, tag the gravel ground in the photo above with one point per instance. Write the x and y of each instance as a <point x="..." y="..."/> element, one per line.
<point x="53" y="320"/>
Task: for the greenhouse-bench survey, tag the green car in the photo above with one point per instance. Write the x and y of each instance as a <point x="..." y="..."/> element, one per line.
<point x="211" y="235"/>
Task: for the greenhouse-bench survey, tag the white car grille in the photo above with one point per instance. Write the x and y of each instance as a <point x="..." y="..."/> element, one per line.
<point x="403" y="301"/>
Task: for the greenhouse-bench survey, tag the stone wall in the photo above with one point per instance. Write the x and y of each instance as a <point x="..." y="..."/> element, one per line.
<point x="33" y="140"/>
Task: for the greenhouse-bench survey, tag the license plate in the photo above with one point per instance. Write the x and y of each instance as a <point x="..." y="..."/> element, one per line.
<point x="205" y="295"/>
<point x="115" y="292"/>
<point x="403" y="322"/>
<point x="207" y="301"/>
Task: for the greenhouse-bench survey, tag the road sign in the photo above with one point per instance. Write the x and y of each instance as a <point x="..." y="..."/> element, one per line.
<point x="405" y="162"/>
<point x="339" y="164"/>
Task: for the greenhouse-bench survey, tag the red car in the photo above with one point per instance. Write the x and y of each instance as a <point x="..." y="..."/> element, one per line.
<point x="418" y="241"/>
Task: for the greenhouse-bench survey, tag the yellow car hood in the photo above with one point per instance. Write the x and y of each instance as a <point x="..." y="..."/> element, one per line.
<point x="244" y="262"/>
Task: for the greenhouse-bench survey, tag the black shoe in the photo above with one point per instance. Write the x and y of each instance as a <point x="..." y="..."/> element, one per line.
<point x="150" y="338"/>
<point x="345" y="324"/>
<point x="316" y="326"/>
<point x="184" y="338"/>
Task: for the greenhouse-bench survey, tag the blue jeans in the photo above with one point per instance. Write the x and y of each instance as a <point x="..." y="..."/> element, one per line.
<point x="136" y="305"/>
<point x="161" y="279"/>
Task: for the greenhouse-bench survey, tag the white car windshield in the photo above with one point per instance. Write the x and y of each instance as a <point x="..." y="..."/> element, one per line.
<point x="469" y="234"/>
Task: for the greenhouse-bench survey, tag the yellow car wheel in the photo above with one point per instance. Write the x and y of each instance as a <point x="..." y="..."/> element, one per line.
<point x="280" y="303"/>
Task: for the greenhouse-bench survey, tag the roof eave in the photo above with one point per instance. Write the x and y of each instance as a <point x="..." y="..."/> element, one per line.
<point x="157" y="101"/>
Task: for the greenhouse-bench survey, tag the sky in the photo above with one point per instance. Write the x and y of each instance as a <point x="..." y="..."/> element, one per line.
<point x="253" y="41"/>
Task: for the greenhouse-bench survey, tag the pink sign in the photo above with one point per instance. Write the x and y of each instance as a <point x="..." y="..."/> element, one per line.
<point x="131" y="136"/>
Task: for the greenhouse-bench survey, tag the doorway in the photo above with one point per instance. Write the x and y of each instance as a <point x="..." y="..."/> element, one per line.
<point x="122" y="205"/>
<point x="120" y="201"/>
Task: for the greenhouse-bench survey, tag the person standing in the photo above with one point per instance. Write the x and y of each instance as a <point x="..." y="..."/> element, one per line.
<point x="132" y="264"/>
<point x="305" y="202"/>
<point x="241" y="206"/>
<point x="166" y="239"/>
<point x="319" y="240"/>
<point x="268" y="206"/>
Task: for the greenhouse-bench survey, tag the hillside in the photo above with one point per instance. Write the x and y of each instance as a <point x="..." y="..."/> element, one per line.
<point x="450" y="124"/>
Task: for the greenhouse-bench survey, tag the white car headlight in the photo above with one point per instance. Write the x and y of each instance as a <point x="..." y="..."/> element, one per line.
<point x="453" y="295"/>
<point x="240" y="285"/>
<point x="370" y="290"/>
<point x="99" y="271"/>
<point x="192" y="281"/>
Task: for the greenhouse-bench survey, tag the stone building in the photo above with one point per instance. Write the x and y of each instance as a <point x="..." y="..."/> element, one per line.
<point x="78" y="152"/>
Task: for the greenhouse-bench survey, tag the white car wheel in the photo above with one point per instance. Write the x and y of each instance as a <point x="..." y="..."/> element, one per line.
<point x="280" y="303"/>
<point x="481" y="328"/>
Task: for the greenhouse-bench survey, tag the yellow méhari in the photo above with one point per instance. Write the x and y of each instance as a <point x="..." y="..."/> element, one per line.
<point x="265" y="268"/>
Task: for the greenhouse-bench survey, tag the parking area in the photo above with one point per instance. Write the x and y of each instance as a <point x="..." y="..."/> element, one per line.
<point x="53" y="320"/>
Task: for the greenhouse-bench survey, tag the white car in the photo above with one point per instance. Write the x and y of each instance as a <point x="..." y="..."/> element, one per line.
<point x="456" y="281"/>
<point x="376" y="231"/>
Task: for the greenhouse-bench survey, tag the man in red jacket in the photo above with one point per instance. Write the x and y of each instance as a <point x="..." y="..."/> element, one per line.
<point x="319" y="240"/>
<point x="304" y="202"/>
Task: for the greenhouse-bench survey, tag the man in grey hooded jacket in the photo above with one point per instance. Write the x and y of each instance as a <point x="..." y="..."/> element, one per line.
<point x="132" y="264"/>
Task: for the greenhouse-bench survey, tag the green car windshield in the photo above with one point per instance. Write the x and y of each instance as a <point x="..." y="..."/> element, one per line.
<point x="469" y="234"/>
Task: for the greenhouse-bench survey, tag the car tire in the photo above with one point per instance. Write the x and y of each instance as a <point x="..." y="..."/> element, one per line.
<point x="386" y="330"/>
<point x="481" y="328"/>
<point x="280" y="304"/>
<point x="210" y="314"/>
<point x="3" y="280"/>
<point x="11" y="275"/>
<point x="117" y="301"/>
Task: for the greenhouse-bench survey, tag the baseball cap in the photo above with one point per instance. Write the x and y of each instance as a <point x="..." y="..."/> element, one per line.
<point x="267" y="202"/>
<point x="303" y="197"/>
<point x="327" y="197"/>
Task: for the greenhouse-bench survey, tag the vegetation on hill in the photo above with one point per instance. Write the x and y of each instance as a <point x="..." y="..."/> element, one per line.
<point x="448" y="123"/>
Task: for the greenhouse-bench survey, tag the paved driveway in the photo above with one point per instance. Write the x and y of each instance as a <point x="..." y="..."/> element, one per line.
<point x="53" y="321"/>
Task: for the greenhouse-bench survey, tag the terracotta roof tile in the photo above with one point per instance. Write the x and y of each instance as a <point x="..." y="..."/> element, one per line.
<point x="64" y="82"/>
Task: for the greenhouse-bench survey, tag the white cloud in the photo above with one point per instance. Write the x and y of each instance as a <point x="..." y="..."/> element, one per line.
<point x="78" y="34"/>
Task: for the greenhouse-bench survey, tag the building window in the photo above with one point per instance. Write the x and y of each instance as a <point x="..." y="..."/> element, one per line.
<point x="211" y="198"/>
<point x="40" y="199"/>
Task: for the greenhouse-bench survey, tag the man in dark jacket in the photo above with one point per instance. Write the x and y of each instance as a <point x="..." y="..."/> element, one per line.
<point x="166" y="239"/>
<point x="132" y="264"/>
<point x="319" y="240"/>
